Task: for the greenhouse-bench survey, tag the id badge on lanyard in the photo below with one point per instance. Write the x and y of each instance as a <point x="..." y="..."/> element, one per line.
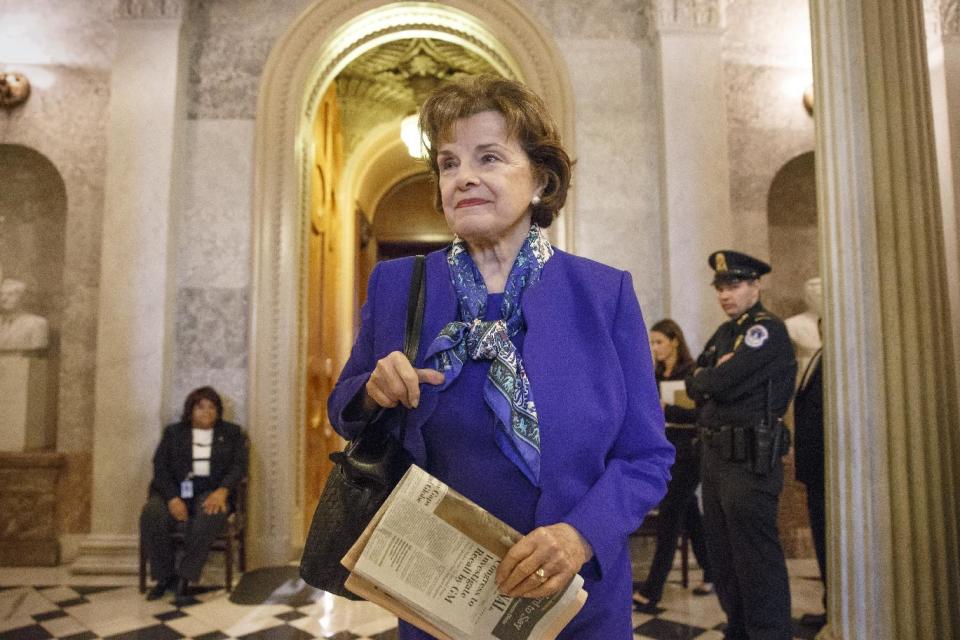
<point x="186" y="487"/>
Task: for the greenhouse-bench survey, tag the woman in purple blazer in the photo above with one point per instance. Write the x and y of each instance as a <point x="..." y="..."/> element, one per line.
<point x="533" y="392"/>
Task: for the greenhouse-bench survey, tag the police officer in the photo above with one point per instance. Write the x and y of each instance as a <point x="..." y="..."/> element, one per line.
<point x="743" y="384"/>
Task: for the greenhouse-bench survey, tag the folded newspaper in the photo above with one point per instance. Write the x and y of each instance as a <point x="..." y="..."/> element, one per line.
<point x="429" y="556"/>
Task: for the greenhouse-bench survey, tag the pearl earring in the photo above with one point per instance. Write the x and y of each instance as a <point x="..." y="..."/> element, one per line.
<point x="535" y="200"/>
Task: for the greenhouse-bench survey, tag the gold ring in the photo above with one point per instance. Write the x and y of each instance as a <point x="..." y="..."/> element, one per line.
<point x="541" y="575"/>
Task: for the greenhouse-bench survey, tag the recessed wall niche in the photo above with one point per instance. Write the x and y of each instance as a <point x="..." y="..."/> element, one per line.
<point x="794" y="249"/>
<point x="792" y="229"/>
<point x="33" y="209"/>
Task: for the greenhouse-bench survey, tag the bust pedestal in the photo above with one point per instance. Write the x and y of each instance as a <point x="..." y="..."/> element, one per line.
<point x="28" y="509"/>
<point x="23" y="415"/>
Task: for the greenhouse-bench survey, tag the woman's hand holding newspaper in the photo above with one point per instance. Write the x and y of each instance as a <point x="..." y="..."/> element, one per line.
<point x="543" y="562"/>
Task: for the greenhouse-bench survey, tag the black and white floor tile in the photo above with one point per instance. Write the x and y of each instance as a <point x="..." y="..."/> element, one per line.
<point x="43" y="604"/>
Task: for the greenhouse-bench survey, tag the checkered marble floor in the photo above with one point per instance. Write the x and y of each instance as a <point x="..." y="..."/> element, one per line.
<point x="40" y="604"/>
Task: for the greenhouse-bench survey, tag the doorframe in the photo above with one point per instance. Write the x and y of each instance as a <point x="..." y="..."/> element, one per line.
<point x="319" y="44"/>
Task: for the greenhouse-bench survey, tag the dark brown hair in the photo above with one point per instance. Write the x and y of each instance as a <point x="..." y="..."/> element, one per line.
<point x="194" y="398"/>
<point x="673" y="331"/>
<point x="527" y="119"/>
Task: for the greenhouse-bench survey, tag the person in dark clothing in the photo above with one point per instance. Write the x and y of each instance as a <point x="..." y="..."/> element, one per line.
<point x="808" y="456"/>
<point x="743" y="383"/>
<point x="197" y="467"/>
<point x="679" y="509"/>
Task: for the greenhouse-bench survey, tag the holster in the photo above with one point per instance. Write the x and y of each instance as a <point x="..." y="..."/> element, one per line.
<point x="761" y="446"/>
<point x="770" y="443"/>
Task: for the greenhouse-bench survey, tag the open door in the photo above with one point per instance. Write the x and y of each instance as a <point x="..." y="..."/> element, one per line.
<point x="322" y="327"/>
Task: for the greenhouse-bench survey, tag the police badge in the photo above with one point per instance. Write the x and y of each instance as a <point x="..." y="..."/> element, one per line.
<point x="756" y="336"/>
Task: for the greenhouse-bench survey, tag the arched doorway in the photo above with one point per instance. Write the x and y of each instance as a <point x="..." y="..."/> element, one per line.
<point x="364" y="108"/>
<point x="405" y="222"/>
<point x="792" y="234"/>
<point x="297" y="77"/>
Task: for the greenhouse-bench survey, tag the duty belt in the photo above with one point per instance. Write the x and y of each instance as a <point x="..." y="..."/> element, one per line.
<point x="732" y="442"/>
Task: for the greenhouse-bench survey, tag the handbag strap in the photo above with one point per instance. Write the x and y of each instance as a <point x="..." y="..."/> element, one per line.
<point x="411" y="343"/>
<point x="415" y="304"/>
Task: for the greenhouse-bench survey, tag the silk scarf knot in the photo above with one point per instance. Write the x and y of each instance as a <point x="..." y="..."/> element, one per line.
<point x="506" y="389"/>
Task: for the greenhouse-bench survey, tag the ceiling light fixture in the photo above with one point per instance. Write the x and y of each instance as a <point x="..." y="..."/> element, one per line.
<point x="412" y="136"/>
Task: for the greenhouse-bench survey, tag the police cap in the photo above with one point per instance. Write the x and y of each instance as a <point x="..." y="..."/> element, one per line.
<point x="733" y="266"/>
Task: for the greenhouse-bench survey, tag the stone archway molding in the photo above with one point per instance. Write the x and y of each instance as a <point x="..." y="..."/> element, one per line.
<point x="326" y="37"/>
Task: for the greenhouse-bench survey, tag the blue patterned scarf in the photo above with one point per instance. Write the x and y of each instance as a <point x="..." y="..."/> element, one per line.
<point x="507" y="389"/>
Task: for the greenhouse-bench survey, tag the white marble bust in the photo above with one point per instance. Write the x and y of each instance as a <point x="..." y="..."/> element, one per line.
<point x="19" y="330"/>
<point x="804" y="328"/>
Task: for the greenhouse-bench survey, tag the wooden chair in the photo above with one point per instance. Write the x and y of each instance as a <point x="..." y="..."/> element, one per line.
<point x="231" y="541"/>
<point x="648" y="529"/>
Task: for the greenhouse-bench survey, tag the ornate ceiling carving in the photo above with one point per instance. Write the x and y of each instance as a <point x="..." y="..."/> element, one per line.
<point x="393" y="79"/>
<point x="405" y="71"/>
<point x="148" y="9"/>
<point x="354" y="88"/>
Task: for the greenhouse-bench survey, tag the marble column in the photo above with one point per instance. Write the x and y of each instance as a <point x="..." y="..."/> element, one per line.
<point x="891" y="419"/>
<point x="694" y="171"/>
<point x="947" y="19"/>
<point x="146" y="117"/>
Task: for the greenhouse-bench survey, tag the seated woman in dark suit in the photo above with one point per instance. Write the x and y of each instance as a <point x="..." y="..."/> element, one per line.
<point x="196" y="468"/>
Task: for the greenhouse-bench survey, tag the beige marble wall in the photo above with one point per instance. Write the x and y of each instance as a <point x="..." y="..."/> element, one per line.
<point x="768" y="65"/>
<point x="71" y="33"/>
<point x="64" y="120"/>
<point x="65" y="47"/>
<point x="695" y="169"/>
<point x="212" y="265"/>
<point x="616" y="182"/>
<point x="231" y="42"/>
<point x="599" y="20"/>
<point x="144" y="162"/>
<point x="793" y="235"/>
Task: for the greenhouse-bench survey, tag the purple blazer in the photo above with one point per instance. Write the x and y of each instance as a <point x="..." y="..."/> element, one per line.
<point x="604" y="457"/>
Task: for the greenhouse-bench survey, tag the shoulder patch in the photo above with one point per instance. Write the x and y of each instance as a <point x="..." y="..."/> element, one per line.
<point x="756" y="336"/>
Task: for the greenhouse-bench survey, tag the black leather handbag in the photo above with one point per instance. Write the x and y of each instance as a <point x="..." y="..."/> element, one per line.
<point x="363" y="475"/>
